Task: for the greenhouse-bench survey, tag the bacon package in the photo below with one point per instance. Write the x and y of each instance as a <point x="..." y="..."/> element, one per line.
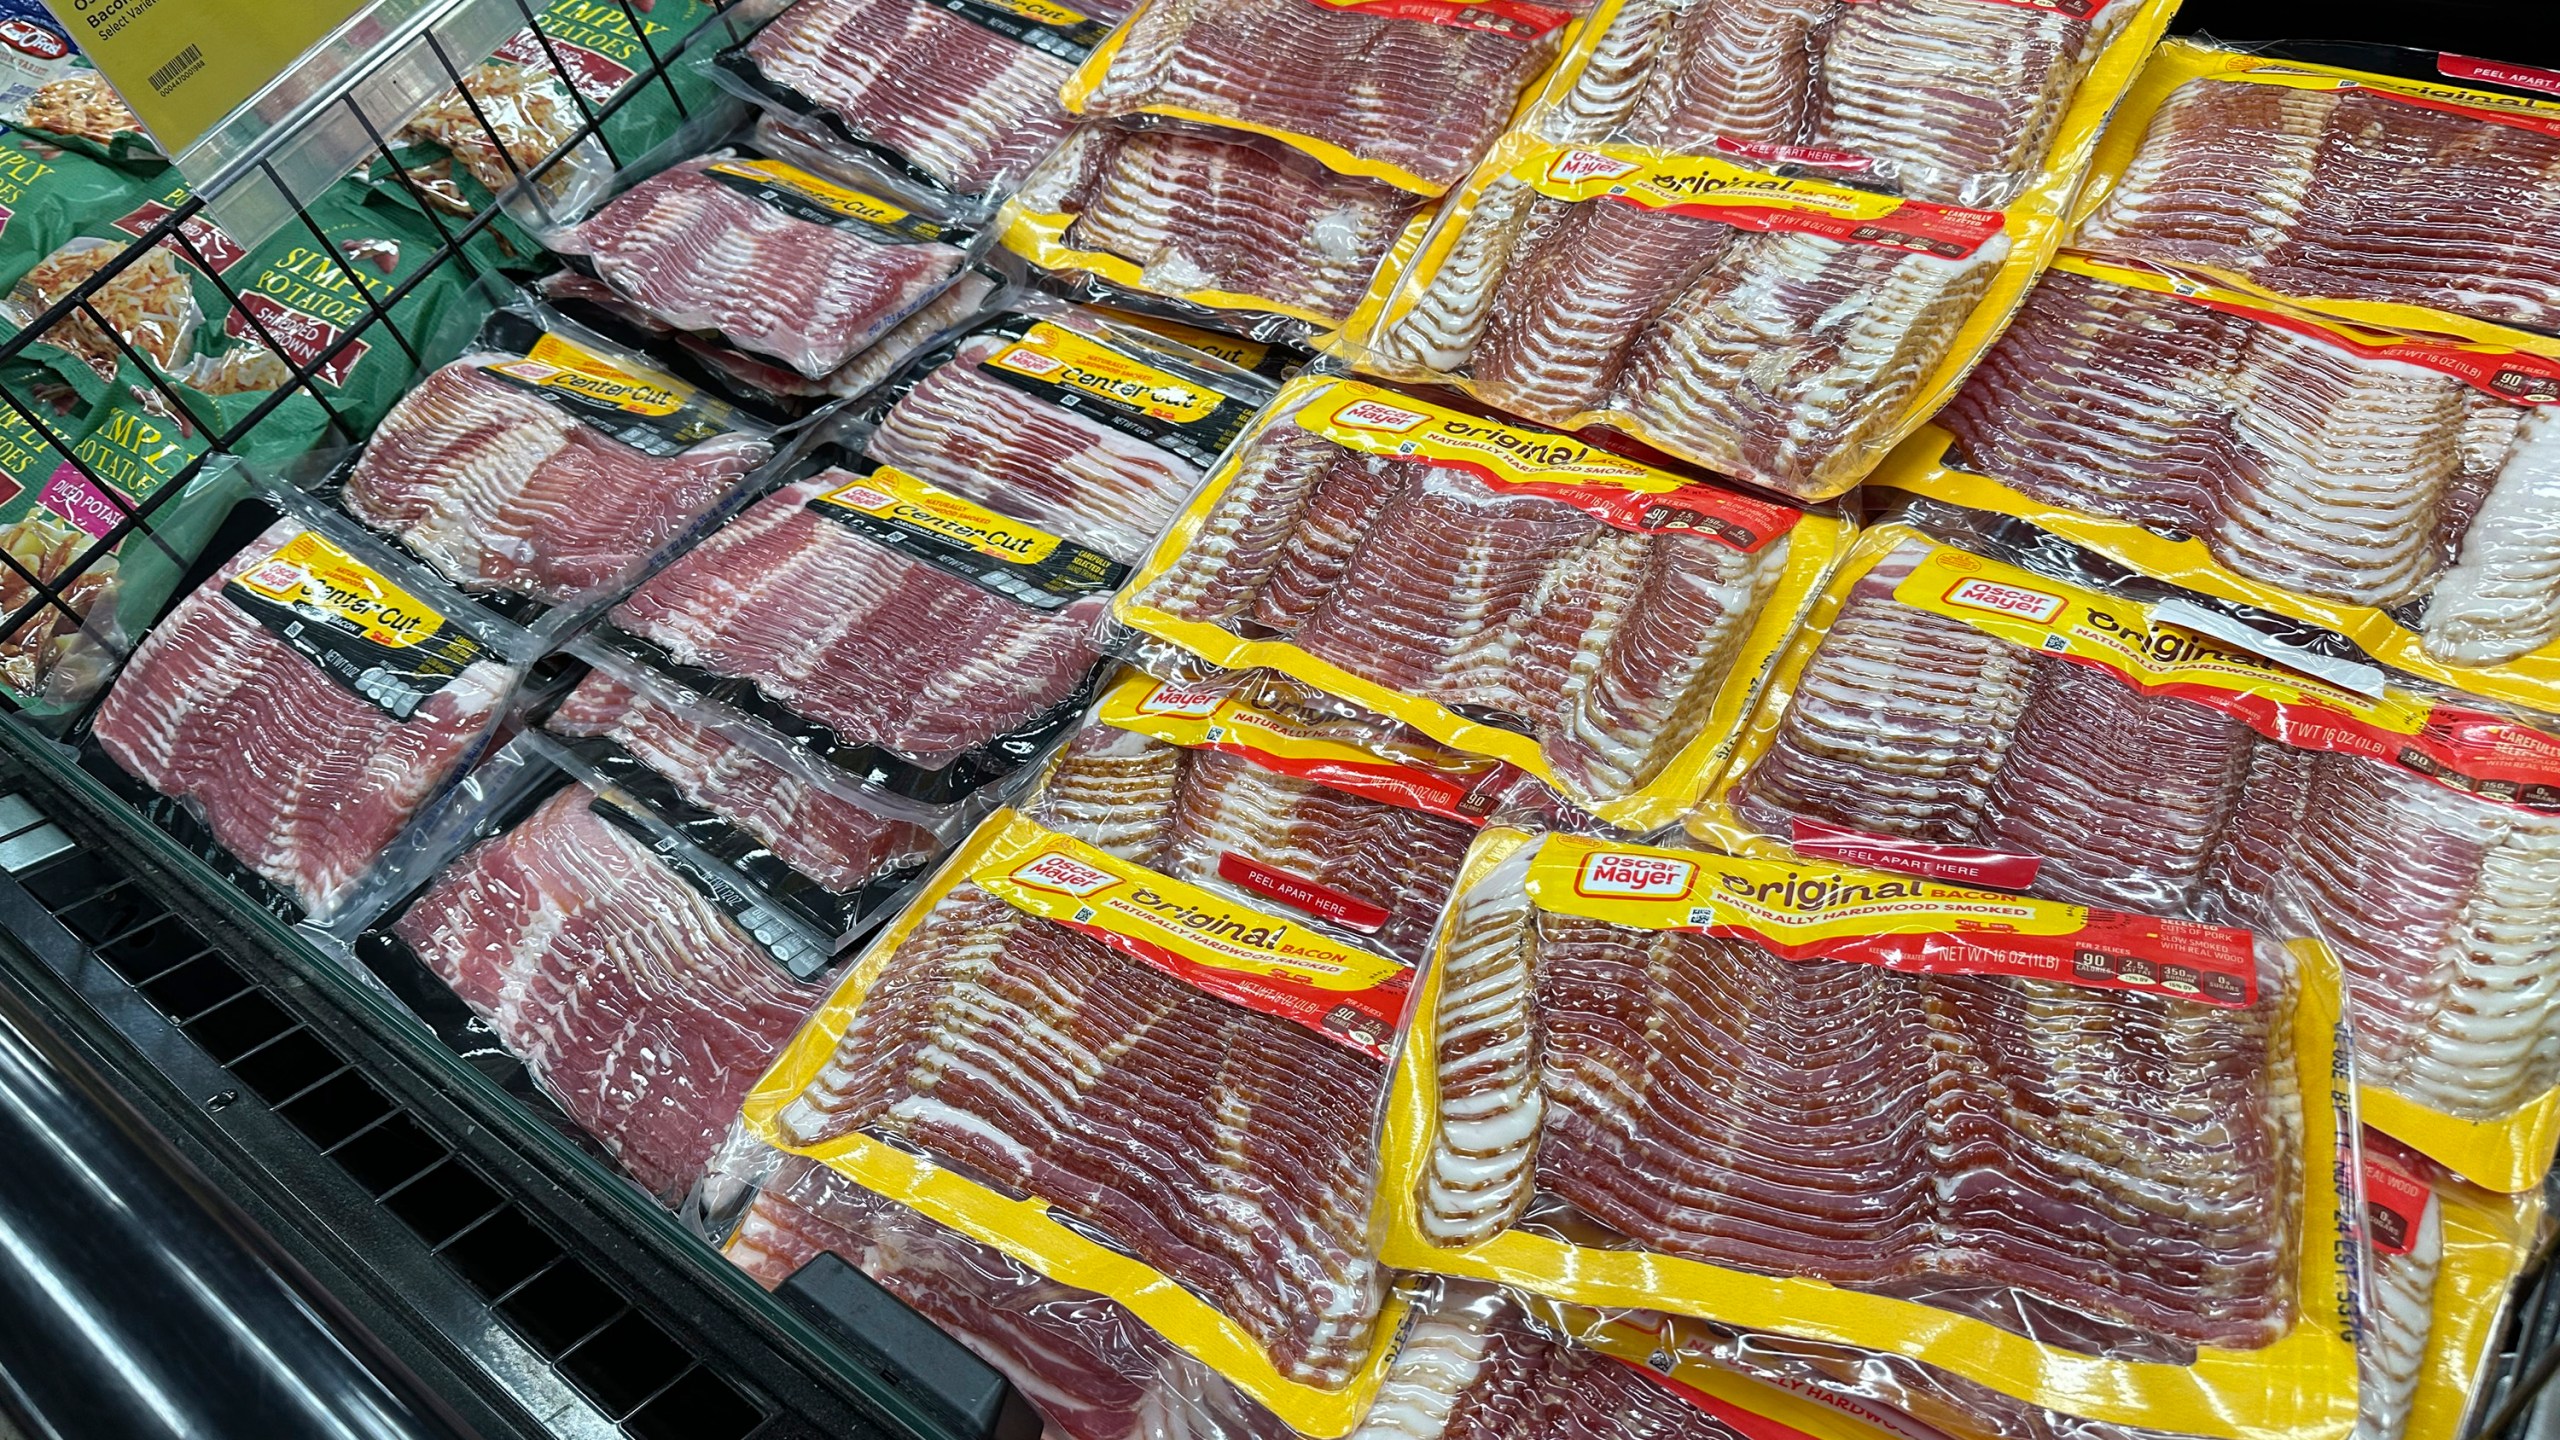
<point x="302" y="705"/>
<point x="832" y="853"/>
<point x="1955" y="102"/>
<point x="2415" y="203"/>
<point x="642" y="982"/>
<point x="2398" y="489"/>
<point x="2079" y="1157"/>
<point x="2445" y="1257"/>
<point x="806" y="268"/>
<point x="1409" y="92"/>
<point x="1094" y="1370"/>
<point x="553" y="471"/>
<point x="1062" y="416"/>
<point x="964" y="94"/>
<point x="1965" y="718"/>
<point x="1594" y="620"/>
<point x="1258" y="236"/>
<point x="1133" y="1085"/>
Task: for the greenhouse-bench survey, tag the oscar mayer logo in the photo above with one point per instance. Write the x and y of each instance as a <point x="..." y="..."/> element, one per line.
<point x="1575" y="165"/>
<point x="1029" y="362"/>
<point x="2000" y="598"/>
<point x="1064" y="875"/>
<point x="1196" y="702"/>
<point x="1378" y="415"/>
<point x="1635" y="876"/>
<point x="28" y="38"/>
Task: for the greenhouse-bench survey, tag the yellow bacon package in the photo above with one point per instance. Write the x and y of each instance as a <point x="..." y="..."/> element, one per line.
<point x="1406" y="92"/>
<point x="2395" y="203"/>
<point x="2084" y="1159"/>
<point x="1120" y="1058"/>
<point x="1767" y="319"/>
<point x="2230" y="444"/>
<point x="1444" y="569"/>
<point x="1948" y="714"/>
<point x="1102" y="208"/>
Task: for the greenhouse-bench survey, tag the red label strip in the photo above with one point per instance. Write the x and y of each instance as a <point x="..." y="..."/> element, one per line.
<point x="1299" y="893"/>
<point x="2207" y="964"/>
<point x="1956" y="864"/>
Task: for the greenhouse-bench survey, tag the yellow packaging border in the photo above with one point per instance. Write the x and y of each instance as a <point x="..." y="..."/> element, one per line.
<point x="1039" y="237"/>
<point x="1077" y="93"/>
<point x="2034" y="222"/>
<point x="1024" y="1229"/>
<point x="1619" y="1337"/>
<point x="2508" y="1154"/>
<point x="2180" y="61"/>
<point x="1920" y="467"/>
<point x="2486" y="1247"/>
<point x="1813" y="545"/>
<point x="2229" y="1395"/>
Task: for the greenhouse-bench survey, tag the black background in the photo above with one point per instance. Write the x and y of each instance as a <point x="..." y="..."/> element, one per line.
<point x="2527" y="31"/>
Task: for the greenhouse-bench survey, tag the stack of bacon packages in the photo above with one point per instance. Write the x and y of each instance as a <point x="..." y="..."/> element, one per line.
<point x="1250" y="164"/>
<point x="2300" y="358"/>
<point x="1769" y="237"/>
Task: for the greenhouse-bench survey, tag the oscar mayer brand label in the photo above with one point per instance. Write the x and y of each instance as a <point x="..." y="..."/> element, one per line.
<point x="1212" y="718"/>
<point x="1806" y="911"/>
<point x="803" y="196"/>
<point x="2481" y="753"/>
<point x="2395" y="1206"/>
<point x="1055" y="30"/>
<point x="1021" y="562"/>
<point x="363" y="631"/>
<point x="1215" y="943"/>
<point x="1515" y="18"/>
<point x="1714" y="188"/>
<point x="2514" y="375"/>
<point x="1610" y="488"/>
<point x="653" y="413"/>
<point x="2540" y="116"/>
<point x="1114" y="388"/>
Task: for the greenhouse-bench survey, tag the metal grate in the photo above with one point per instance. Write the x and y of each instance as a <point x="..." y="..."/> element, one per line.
<point x="50" y="593"/>
<point x="590" y="1332"/>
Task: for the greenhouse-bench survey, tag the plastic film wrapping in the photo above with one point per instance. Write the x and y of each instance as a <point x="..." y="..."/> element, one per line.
<point x="777" y="259"/>
<point x="303" y="704"/>
<point x="1437" y="81"/>
<point x="2392" y="487"/>
<point x="1432" y="566"/>
<point x="2416" y="205"/>
<point x="1589" y="1149"/>
<point x="1263" y="239"/>
<point x="1967" y="718"/>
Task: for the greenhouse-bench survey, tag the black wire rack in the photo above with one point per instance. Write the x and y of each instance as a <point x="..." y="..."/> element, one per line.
<point x="188" y="230"/>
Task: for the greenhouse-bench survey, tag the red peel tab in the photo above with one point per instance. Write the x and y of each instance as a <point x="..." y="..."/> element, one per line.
<point x="2395" y="1207"/>
<point x="1946" y="231"/>
<point x="1737" y="520"/>
<point x="1515" y="18"/>
<point x="1959" y="864"/>
<point x="1299" y="893"/>
<point x="1768" y="154"/>
<point x="1365" y="1020"/>
<point x="2499" y="72"/>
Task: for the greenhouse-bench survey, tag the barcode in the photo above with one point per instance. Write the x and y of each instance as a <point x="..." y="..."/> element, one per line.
<point x="181" y="65"/>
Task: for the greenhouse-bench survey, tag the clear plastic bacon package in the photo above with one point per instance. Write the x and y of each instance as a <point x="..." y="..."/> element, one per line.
<point x="1093" y="1369"/>
<point x="2401" y="490"/>
<point x="1138" y="1086"/>
<point x="2080" y="1158"/>
<point x="2407" y="203"/>
<point x="1408" y="92"/>
<point x="807" y="268"/>
<point x="1989" y="708"/>
<point x="1063" y="416"/>
<point x="835" y="854"/>
<point x="641" y="980"/>
<point x="546" y="469"/>
<point x="1258" y="237"/>
<point x="291" y="716"/>
<point x="961" y="94"/>
<point x="1952" y="102"/>
<point x="1597" y="621"/>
